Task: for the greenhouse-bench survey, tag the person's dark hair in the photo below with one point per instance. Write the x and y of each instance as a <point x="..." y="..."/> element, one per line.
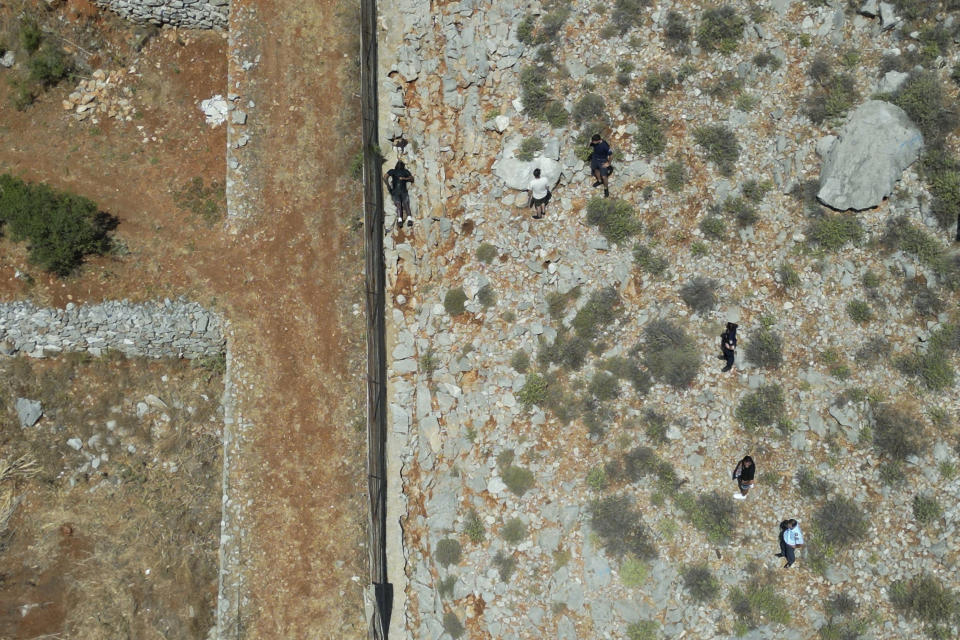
<point x="536" y="173"/>
<point x="731" y="326"/>
<point x="784" y="525"/>
<point x="596" y="138"/>
<point x="747" y="459"/>
<point x="791" y="523"/>
<point x="400" y="165"/>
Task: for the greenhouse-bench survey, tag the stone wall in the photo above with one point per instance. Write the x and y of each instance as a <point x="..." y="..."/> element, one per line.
<point x="157" y="329"/>
<point x="191" y="14"/>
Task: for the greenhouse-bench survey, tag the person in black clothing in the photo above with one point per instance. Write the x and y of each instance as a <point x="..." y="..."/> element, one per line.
<point x="728" y="345"/>
<point x="397" y="179"/>
<point x="743" y="474"/>
<point x="600" y="162"/>
<point x="958" y="227"/>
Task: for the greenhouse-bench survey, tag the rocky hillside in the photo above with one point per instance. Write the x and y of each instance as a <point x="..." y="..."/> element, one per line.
<point x="562" y="431"/>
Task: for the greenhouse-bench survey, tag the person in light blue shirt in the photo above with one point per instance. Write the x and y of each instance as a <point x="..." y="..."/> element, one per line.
<point x="791" y="538"/>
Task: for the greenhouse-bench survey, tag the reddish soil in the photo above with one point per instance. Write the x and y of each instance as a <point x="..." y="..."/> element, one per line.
<point x="287" y="281"/>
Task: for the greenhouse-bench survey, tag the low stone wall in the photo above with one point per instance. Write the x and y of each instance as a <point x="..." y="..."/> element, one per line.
<point x="158" y="329"/>
<point x="191" y="14"/>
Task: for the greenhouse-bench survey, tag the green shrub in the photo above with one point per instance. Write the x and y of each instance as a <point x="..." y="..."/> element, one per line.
<point x="676" y="30"/>
<point x="933" y="368"/>
<point x="670" y="355"/>
<point x="30" y="35"/>
<point x="474" y="528"/>
<point x="832" y="98"/>
<point x="924" y="99"/>
<point x="648" y="261"/>
<point x="445" y="586"/>
<point x="429" y="362"/>
<point x="49" y="66"/>
<point x="897" y="434"/>
<point x="658" y="82"/>
<point x="628" y="369"/>
<point x="520" y="361"/>
<point x="533" y="391"/>
<point x="447" y="552"/>
<point x="759" y="604"/>
<point x="633" y="572"/>
<point x="874" y="350"/>
<point x="925" y="599"/>
<point x="726" y="85"/>
<point x="61" y="228"/>
<point x="712" y="513"/>
<point x="525" y="30"/>
<point x="604" y="387"/>
<point x="926" y="509"/>
<point x="518" y="479"/>
<point x="486" y="252"/>
<point x="721" y="29"/>
<point x="765" y="349"/>
<point x="590" y="108"/>
<point x="676" y="176"/>
<point x="942" y="174"/>
<point x="840" y="522"/>
<point x="557" y="302"/>
<point x="700" y="294"/>
<point x="721" y="146"/>
<point x="766" y="60"/>
<point x="597" y="313"/>
<point x="616" y="521"/>
<point x="535" y="91"/>
<point x="812" y="485"/>
<point x="762" y="408"/>
<point x="552" y="24"/>
<point x="208" y="202"/>
<point x="755" y="190"/>
<point x="788" y="276"/>
<point x="506" y="564"/>
<point x="713" y="227"/>
<point x="514" y="531"/>
<point x="614" y="218"/>
<point x="656" y="426"/>
<point x="834" y="231"/>
<point x="741" y="210"/>
<point x="859" y="311"/>
<point x="650" y="138"/>
<point x="597" y="479"/>
<point x="700" y="582"/>
<point x="486" y="296"/>
<point x="452" y="625"/>
<point x="627" y="14"/>
<point x="643" y="630"/>
<point x="454" y="300"/>
<point x="528" y="147"/>
<point x="556" y="115"/>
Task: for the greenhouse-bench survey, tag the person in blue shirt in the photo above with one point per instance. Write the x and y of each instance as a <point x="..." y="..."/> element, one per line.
<point x="600" y="162"/>
<point x="791" y="538"/>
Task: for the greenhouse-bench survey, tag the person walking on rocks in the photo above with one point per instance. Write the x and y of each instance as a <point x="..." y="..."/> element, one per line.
<point x="539" y="194"/>
<point x="728" y="346"/>
<point x="743" y="474"/>
<point x="396" y="180"/>
<point x="791" y="539"/>
<point x="600" y="162"/>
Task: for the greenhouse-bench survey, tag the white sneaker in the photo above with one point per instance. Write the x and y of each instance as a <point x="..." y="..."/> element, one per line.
<point x="739" y="496"/>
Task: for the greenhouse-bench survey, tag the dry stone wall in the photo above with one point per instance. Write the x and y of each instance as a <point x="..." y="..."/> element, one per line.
<point x="191" y="14"/>
<point x="157" y="329"/>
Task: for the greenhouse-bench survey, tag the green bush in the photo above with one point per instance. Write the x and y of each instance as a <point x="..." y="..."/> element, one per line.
<point x="590" y="108"/>
<point x="721" y="29"/>
<point x="676" y="30"/>
<point x="520" y="361"/>
<point x="670" y="355"/>
<point x="486" y="296"/>
<point x="648" y="261"/>
<point x="721" y="146"/>
<point x="514" y="531"/>
<point x="627" y="14"/>
<point x="834" y="231"/>
<point x="713" y="227"/>
<point x="897" y="434"/>
<point x="454" y="300"/>
<point x="762" y="408"/>
<point x="658" y="82"/>
<point x="604" y="387"/>
<point x="700" y="294"/>
<point x="759" y="604"/>
<point x="614" y="218"/>
<point x="486" y="252"/>
<point x="926" y="509"/>
<point x="60" y="228"/>
<point x="924" y="99"/>
<point x="518" y="479"/>
<point x="474" y="528"/>
<point x="597" y="479"/>
<point x="788" y="276"/>
<point x="643" y="630"/>
<point x="675" y="175"/>
<point x="766" y="60"/>
<point x="726" y="85"/>
<point x="597" y="313"/>
<point x="812" y="485"/>
<point x="556" y="115"/>
<point x="715" y="514"/>
<point x="755" y="190"/>
<point x="942" y="174"/>
<point x="445" y="586"/>
<point x="650" y="138"/>
<point x="30" y="35"/>
<point x="859" y="311"/>
<point x="633" y="572"/>
<point x="533" y="391"/>
<point x="925" y="599"/>
<point x="506" y="564"/>
<point x="49" y="66"/>
<point x="452" y="625"/>
<point x="628" y="369"/>
<point x="528" y="147"/>
<point x="933" y="368"/>
<point x="840" y="522"/>
<point x="765" y="349"/>
<point x="741" y="210"/>
<point x="873" y="351"/>
<point x="552" y="24"/>
<point x="700" y="582"/>
<point x="616" y="521"/>
<point x="535" y="91"/>
<point x="447" y="552"/>
<point x="525" y="30"/>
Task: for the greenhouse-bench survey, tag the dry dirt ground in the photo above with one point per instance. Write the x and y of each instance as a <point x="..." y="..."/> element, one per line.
<point x="289" y="281"/>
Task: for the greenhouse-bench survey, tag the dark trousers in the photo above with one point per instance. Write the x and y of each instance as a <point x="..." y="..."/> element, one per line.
<point x="728" y="356"/>
<point x="788" y="552"/>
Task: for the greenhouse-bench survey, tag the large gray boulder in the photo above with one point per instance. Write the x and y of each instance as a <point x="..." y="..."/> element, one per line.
<point x="28" y="411"/>
<point x="869" y="155"/>
<point x="517" y="174"/>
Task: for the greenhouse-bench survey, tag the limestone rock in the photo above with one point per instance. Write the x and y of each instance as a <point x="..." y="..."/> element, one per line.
<point x="7" y="59"/>
<point x="518" y="173"/>
<point x="28" y="411"/>
<point x="872" y="150"/>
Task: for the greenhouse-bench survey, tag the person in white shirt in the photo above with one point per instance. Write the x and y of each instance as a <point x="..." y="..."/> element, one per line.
<point x="791" y="539"/>
<point x="539" y="194"/>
